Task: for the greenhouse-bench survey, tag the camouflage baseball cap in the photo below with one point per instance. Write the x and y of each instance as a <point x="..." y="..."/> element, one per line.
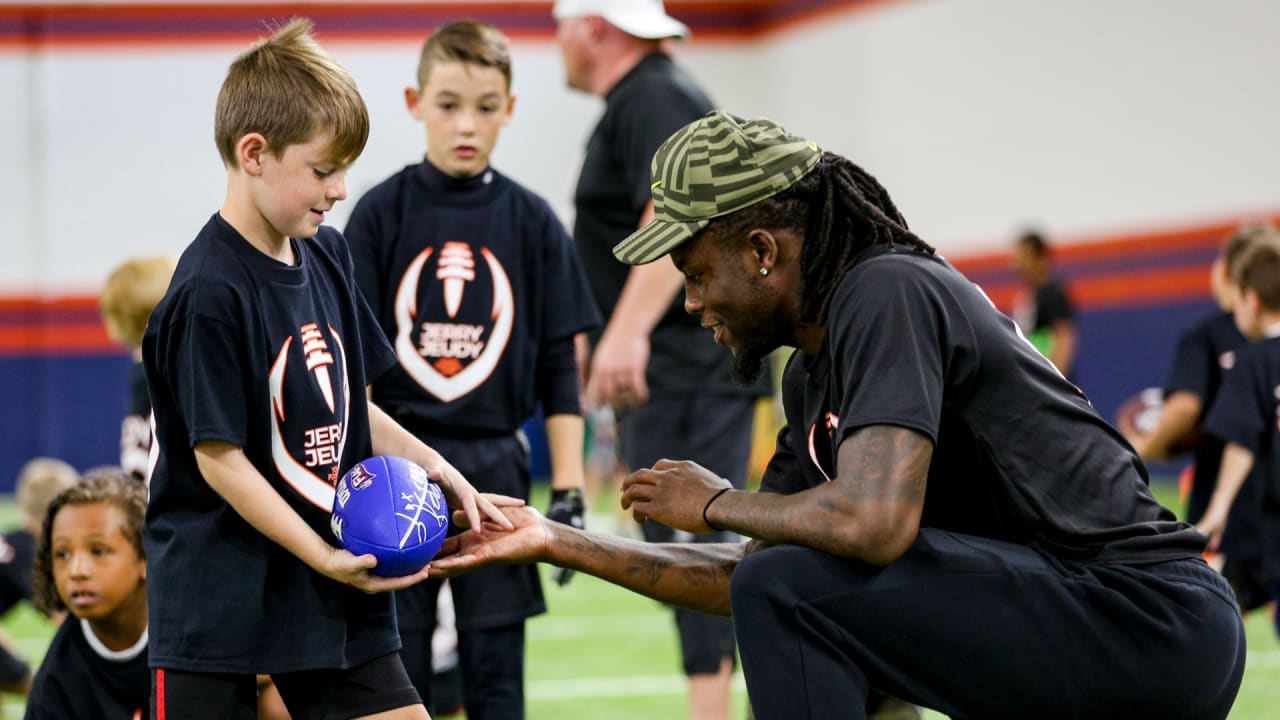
<point x="712" y="167"/>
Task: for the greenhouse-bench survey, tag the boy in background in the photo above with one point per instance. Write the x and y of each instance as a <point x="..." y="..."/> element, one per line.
<point x="257" y="361"/>
<point x="39" y="481"/>
<point x="128" y="296"/>
<point x="1206" y="351"/>
<point x="477" y="284"/>
<point x="1042" y="308"/>
<point x="1244" y="415"/>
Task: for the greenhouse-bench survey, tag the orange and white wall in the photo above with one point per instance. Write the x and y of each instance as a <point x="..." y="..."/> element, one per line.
<point x="1135" y="134"/>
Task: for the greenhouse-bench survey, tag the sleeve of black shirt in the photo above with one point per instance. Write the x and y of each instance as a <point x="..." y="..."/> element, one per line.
<point x="202" y="360"/>
<point x="557" y="378"/>
<point x="887" y="333"/>
<point x="378" y="355"/>
<point x="568" y="306"/>
<point x="364" y="234"/>
<point x="1053" y="305"/>
<point x="1192" y="365"/>
<point x="1239" y="413"/>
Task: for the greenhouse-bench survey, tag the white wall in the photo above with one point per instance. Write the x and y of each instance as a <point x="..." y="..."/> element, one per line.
<point x="1084" y="116"/>
<point x="1087" y="116"/>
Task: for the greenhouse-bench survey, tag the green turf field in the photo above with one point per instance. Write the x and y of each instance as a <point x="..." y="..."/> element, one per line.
<point x="602" y="652"/>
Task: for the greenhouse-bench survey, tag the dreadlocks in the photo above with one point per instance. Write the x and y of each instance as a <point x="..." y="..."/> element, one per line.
<point x="842" y="211"/>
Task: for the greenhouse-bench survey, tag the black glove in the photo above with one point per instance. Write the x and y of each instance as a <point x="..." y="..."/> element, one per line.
<point x="566" y="507"/>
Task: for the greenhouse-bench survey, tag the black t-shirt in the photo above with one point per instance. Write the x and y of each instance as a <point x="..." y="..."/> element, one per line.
<point x="1245" y="412"/>
<point x="81" y="679"/>
<point x="1046" y="306"/>
<point x="1019" y="454"/>
<point x="273" y="359"/>
<point x="470" y="278"/>
<point x="1205" y="351"/>
<point x="135" y="428"/>
<point x="646" y="107"/>
<point x="17" y="552"/>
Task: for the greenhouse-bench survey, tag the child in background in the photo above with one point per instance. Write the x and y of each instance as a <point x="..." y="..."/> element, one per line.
<point x="89" y="562"/>
<point x="257" y="360"/>
<point x="128" y="296"/>
<point x="1244" y="415"/>
<point x="477" y="284"/>
<point x="1205" y="354"/>
<point x="1043" y="309"/>
<point x="39" y="481"/>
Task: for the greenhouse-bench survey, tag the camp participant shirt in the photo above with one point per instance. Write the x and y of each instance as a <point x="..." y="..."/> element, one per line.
<point x="273" y="359"/>
<point x="81" y="678"/>
<point x="1205" y="352"/>
<point x="1019" y="454"/>
<point x="470" y="277"/>
<point x="1245" y="413"/>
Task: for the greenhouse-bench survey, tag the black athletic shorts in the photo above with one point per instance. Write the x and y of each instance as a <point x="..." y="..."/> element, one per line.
<point x="376" y="686"/>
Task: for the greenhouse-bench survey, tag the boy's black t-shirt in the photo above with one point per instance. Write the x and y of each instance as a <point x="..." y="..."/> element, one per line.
<point x="471" y="277"/>
<point x="1247" y="412"/>
<point x="1019" y="454"/>
<point x="80" y="678"/>
<point x="273" y="359"/>
<point x="650" y="103"/>
<point x="1205" y="351"/>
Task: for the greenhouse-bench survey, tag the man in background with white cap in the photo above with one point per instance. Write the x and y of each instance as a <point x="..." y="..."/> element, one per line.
<point x="665" y="378"/>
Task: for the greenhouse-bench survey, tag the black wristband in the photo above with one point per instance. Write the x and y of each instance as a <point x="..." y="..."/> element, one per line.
<point x="708" y="506"/>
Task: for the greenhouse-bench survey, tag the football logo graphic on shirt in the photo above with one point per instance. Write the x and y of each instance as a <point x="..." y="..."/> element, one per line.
<point x="447" y="340"/>
<point x="308" y="457"/>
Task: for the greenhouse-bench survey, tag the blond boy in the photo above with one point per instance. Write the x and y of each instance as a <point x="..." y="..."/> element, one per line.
<point x="256" y="361"/>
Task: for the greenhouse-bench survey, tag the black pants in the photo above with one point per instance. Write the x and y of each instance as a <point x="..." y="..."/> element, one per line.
<point x="714" y="432"/>
<point x="980" y="630"/>
<point x="491" y="662"/>
<point x="490" y="604"/>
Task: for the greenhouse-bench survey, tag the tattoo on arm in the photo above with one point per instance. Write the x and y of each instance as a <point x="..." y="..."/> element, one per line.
<point x="695" y="576"/>
<point x="875" y="498"/>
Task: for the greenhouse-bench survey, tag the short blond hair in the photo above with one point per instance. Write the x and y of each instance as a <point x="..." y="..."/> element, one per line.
<point x="39" y="482"/>
<point x="289" y="90"/>
<point x="129" y="295"/>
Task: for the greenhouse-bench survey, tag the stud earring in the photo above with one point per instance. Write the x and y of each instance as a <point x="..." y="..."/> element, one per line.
<point x="764" y="271"/>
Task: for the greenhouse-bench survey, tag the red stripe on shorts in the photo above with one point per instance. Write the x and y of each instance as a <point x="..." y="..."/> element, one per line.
<point x="159" y="693"/>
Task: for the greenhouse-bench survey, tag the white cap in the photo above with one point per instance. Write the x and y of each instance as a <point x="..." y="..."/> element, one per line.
<point x="646" y="19"/>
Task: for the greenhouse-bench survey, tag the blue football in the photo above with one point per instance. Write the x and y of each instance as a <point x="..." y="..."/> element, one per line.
<point x="387" y="507"/>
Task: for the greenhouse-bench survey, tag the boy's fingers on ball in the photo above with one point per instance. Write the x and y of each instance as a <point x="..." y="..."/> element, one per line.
<point x="503" y="500"/>
<point x="496" y="516"/>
